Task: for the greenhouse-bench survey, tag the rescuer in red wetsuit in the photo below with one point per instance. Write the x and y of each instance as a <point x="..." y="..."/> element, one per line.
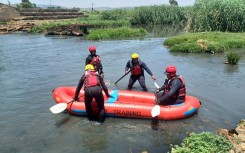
<point x="93" y="83"/>
<point x="95" y="60"/>
<point x="174" y="88"/>
<point x="137" y="68"/>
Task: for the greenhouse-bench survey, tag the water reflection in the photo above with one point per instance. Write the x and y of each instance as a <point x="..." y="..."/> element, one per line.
<point x="230" y="69"/>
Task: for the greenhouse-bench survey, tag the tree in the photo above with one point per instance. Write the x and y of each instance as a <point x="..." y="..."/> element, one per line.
<point x="173" y="2"/>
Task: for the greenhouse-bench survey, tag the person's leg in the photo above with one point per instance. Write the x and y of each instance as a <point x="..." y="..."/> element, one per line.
<point x="142" y="82"/>
<point x="100" y="103"/>
<point x="88" y="99"/>
<point x="131" y="82"/>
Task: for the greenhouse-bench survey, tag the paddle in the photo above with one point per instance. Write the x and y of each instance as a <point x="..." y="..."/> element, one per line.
<point x="58" y="108"/>
<point x="155" y="111"/>
<point x="156" y="85"/>
<point x="122" y="77"/>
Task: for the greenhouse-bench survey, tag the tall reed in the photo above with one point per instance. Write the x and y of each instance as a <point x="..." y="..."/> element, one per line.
<point x="218" y="15"/>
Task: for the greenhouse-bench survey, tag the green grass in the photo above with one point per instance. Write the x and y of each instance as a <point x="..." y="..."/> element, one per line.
<point x="205" y="42"/>
<point x="123" y="32"/>
<point x="204" y="142"/>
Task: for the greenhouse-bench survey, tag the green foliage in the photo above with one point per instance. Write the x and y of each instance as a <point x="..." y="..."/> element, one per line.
<point x="116" y="14"/>
<point x="204" y="142"/>
<point x="218" y="15"/>
<point x="233" y="58"/>
<point x="162" y="14"/>
<point x="123" y="32"/>
<point x="205" y="42"/>
<point x="26" y="5"/>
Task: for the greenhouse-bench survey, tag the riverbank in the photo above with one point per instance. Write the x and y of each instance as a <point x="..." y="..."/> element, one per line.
<point x="225" y="140"/>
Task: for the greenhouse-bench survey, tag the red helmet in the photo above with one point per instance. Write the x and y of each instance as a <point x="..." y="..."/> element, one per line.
<point x="171" y="69"/>
<point x="92" y="48"/>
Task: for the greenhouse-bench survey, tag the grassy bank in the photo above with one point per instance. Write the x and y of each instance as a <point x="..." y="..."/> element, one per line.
<point x="224" y="141"/>
<point x="205" y="42"/>
<point x="119" y="33"/>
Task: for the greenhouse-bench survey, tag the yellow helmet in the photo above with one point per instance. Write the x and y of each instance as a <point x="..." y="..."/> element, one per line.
<point x="135" y="55"/>
<point x="89" y="66"/>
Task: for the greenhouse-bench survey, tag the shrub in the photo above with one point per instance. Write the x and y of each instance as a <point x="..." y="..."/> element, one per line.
<point x="233" y="58"/>
<point x="203" y="142"/>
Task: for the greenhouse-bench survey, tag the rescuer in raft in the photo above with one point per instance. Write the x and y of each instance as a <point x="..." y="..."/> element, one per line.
<point x="93" y="83"/>
<point x="95" y="60"/>
<point x="137" y="68"/>
<point x="174" y="88"/>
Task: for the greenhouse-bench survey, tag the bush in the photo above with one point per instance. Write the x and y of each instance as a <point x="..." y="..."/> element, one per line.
<point x="233" y="58"/>
<point x="203" y="142"/>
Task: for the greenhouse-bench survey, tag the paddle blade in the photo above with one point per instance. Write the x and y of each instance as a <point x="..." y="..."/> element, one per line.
<point x="58" y="108"/>
<point x="155" y="111"/>
<point x="156" y="85"/>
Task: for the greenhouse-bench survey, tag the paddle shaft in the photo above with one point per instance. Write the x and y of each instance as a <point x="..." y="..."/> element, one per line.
<point x="122" y="77"/>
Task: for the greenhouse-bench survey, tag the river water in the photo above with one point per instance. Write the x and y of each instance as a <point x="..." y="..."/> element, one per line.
<point x="31" y="66"/>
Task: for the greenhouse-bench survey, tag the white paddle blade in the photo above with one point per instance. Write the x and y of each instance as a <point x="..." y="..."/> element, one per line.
<point x="156" y="85"/>
<point x="155" y="111"/>
<point x="58" y="108"/>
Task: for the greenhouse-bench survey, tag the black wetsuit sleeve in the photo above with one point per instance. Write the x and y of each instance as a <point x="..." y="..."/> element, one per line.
<point x="146" y="68"/>
<point x="88" y="60"/>
<point x="79" y="86"/>
<point x="104" y="87"/>
<point x="175" y="84"/>
<point x="127" y="66"/>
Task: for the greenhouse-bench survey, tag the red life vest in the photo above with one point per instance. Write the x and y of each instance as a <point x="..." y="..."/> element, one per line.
<point x="135" y="69"/>
<point x="182" y="91"/>
<point x="96" y="61"/>
<point x="91" y="78"/>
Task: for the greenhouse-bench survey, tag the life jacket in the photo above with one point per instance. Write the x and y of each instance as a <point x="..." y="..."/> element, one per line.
<point x="96" y="62"/>
<point x="136" y="69"/>
<point x="91" y="78"/>
<point x="182" y="91"/>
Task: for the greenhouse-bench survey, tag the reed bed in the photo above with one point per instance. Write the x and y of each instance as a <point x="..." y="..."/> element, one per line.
<point x="218" y="15"/>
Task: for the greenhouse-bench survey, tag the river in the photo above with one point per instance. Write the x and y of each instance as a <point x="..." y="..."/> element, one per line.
<point x="31" y="66"/>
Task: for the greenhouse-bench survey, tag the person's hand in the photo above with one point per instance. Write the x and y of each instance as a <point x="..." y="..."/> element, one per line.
<point x="156" y="102"/>
<point x="153" y="77"/>
<point x="75" y="98"/>
<point x="157" y="91"/>
<point x="109" y="96"/>
<point x="102" y="75"/>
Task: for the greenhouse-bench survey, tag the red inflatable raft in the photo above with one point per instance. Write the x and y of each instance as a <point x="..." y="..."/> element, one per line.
<point x="132" y="104"/>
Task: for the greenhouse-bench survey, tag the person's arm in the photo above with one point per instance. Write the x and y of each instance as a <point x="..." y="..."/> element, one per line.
<point x="175" y="86"/>
<point x="101" y="68"/>
<point x="88" y="60"/>
<point x="79" y="86"/>
<point x="144" y="66"/>
<point x="127" y="66"/>
<point x="104" y="87"/>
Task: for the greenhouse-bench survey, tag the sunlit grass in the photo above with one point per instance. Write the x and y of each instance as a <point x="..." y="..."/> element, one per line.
<point x="205" y="42"/>
<point x="123" y="32"/>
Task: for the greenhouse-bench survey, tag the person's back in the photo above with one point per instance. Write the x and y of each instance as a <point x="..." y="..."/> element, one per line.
<point x="93" y="85"/>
